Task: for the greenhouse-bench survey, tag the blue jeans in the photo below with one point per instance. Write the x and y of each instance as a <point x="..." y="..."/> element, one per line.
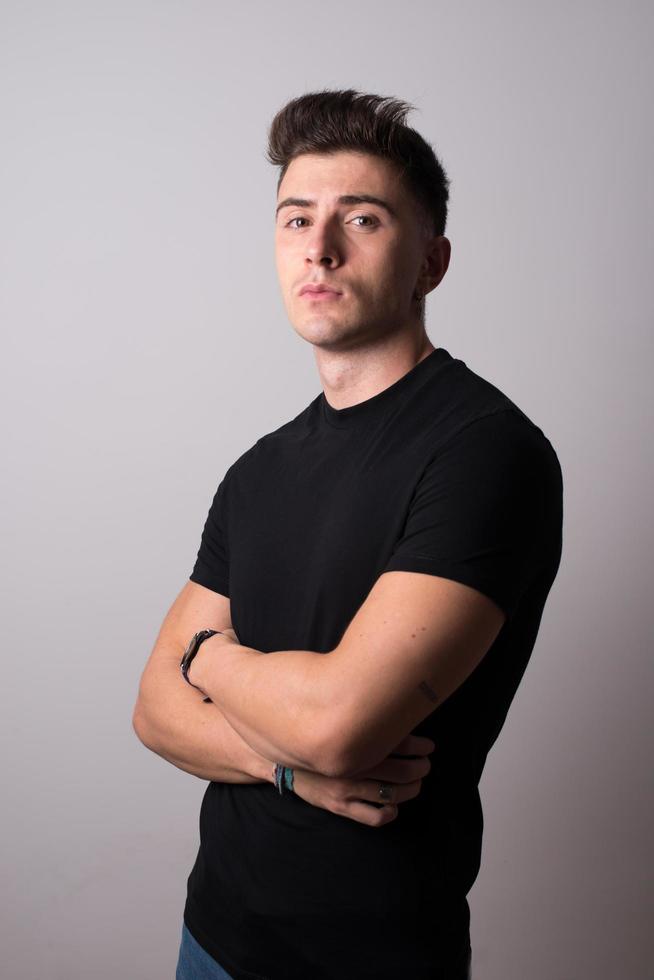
<point x="194" y="962"/>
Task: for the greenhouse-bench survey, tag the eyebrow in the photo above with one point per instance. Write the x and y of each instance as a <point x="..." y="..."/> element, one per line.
<point x="300" y="202"/>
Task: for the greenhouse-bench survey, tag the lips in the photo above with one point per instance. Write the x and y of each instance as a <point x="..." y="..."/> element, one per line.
<point x="317" y="289"/>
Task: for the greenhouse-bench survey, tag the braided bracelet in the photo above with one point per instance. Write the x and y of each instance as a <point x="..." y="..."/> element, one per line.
<point x="283" y="776"/>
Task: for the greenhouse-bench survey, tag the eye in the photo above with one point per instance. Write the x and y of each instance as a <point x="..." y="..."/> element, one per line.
<point x="372" y="221"/>
<point x="367" y="217"/>
<point x="297" y="218"/>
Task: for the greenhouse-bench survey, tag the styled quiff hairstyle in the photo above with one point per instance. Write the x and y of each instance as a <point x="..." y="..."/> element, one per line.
<point x="344" y="119"/>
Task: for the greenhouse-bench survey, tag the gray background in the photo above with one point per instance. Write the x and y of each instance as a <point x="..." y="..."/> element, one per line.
<point x="145" y="347"/>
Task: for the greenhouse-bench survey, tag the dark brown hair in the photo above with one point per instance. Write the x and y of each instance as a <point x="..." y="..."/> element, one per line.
<point x="344" y="119"/>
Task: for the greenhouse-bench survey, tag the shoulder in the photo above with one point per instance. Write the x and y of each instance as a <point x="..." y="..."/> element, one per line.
<point x="503" y="435"/>
<point x="499" y="469"/>
<point x="457" y="405"/>
<point x="273" y="446"/>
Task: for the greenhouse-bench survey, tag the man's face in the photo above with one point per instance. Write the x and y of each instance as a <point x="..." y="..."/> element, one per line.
<point x="370" y="255"/>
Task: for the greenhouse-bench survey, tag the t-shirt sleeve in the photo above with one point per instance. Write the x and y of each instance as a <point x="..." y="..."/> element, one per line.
<point x="486" y="509"/>
<point x="211" y="567"/>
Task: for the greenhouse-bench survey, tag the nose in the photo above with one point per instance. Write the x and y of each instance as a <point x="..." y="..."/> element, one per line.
<point x="321" y="245"/>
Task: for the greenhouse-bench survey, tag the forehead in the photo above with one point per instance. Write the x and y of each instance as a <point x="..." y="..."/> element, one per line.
<point x="343" y="172"/>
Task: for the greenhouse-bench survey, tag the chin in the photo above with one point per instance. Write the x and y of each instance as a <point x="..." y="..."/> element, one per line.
<point x="325" y="334"/>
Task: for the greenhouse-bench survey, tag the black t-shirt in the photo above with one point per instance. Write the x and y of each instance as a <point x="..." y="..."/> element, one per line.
<point x="439" y="473"/>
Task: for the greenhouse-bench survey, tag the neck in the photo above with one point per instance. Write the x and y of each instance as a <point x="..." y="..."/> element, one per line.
<point x="351" y="376"/>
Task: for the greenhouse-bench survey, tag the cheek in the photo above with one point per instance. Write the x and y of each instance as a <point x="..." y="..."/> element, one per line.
<point x="394" y="264"/>
<point x="288" y="278"/>
<point x="391" y="283"/>
<point x="290" y="268"/>
<point x="283" y="257"/>
<point x="403" y="278"/>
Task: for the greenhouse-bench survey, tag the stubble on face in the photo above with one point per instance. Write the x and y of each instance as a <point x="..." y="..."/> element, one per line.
<point x="360" y="249"/>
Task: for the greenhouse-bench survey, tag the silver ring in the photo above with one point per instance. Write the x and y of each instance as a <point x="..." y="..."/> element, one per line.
<point x="385" y="792"/>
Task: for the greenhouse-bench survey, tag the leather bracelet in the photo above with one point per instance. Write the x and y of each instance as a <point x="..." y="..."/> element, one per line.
<point x="190" y="652"/>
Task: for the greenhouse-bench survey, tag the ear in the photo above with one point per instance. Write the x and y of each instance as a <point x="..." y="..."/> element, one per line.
<point x="438" y="250"/>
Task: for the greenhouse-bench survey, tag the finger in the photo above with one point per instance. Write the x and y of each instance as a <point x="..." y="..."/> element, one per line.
<point x="408" y="770"/>
<point x="398" y="770"/>
<point x="414" y="745"/>
<point x="368" y="791"/>
<point x="371" y="815"/>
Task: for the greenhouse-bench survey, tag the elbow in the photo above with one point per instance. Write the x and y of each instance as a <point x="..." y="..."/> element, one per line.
<point x="339" y="765"/>
<point x="348" y="755"/>
<point x="333" y="757"/>
<point x="140" y="726"/>
<point x="327" y="765"/>
<point x="345" y="766"/>
<point x="144" y="717"/>
<point x="322" y="755"/>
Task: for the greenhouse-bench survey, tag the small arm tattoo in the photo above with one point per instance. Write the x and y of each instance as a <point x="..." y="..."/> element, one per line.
<point x="427" y="691"/>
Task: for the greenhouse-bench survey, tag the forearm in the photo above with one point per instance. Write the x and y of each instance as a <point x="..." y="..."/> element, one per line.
<point x="173" y="721"/>
<point x="278" y="702"/>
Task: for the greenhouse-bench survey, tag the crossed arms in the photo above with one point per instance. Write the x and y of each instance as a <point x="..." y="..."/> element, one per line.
<point x="412" y="643"/>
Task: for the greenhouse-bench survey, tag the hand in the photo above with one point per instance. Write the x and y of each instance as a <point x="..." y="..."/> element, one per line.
<point x="347" y="797"/>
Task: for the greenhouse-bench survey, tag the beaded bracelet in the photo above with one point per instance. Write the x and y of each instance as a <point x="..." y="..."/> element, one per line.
<point x="283" y="776"/>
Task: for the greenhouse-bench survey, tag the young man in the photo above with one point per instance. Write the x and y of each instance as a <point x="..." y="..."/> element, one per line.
<point x="376" y="569"/>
